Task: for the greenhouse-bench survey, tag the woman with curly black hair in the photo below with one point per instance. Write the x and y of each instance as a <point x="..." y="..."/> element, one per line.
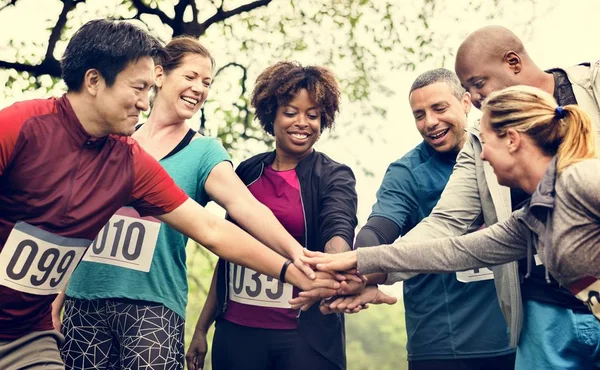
<point x="314" y="198"/>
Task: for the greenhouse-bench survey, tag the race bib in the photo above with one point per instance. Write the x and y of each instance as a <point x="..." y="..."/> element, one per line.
<point x="252" y="288"/>
<point x="38" y="262"/>
<point x="470" y="276"/>
<point x="127" y="240"/>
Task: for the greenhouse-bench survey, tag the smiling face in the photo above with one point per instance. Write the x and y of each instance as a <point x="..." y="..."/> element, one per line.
<point x="496" y="150"/>
<point x="481" y="77"/>
<point x="118" y="107"/>
<point x="297" y="126"/>
<point x="440" y="117"/>
<point x="184" y="89"/>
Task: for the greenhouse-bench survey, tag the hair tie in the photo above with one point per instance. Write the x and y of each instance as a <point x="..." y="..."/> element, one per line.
<point x="560" y="112"/>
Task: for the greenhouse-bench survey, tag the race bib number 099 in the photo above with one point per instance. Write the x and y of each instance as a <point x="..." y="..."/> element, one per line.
<point x="39" y="262"/>
<point x="252" y="288"/>
<point x="127" y="240"/>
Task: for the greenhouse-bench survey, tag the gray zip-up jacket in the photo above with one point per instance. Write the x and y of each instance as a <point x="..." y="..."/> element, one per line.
<point x="473" y="197"/>
<point x="561" y="221"/>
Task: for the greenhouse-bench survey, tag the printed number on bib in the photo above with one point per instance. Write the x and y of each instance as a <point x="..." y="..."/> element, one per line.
<point x="250" y="287"/>
<point x="470" y="276"/>
<point x="126" y="241"/>
<point x="39" y="262"/>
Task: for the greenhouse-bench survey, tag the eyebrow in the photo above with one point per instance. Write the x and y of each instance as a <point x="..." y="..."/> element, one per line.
<point x="293" y="106"/>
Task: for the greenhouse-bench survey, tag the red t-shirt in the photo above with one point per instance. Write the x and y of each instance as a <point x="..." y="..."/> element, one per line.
<point x="58" y="187"/>
<point x="254" y="299"/>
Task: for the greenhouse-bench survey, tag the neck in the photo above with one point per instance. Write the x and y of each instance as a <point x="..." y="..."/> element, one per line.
<point x="532" y="171"/>
<point x="86" y="116"/>
<point x="543" y="80"/>
<point x="161" y="123"/>
<point x="284" y="161"/>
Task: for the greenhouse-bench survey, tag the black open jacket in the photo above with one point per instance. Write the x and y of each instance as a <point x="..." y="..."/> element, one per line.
<point x="329" y="200"/>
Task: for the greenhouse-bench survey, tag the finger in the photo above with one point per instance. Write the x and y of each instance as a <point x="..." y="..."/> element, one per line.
<point x="333" y="304"/>
<point x="384" y="298"/>
<point x="339" y="277"/>
<point x="307" y="306"/>
<point x="310" y="253"/>
<point x="304" y="268"/>
<point x="190" y="360"/>
<point x="318" y="293"/>
<point x="353" y="277"/>
<point x="326" y="283"/>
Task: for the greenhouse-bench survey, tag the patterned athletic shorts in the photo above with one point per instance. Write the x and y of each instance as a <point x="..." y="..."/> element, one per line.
<point x="121" y="334"/>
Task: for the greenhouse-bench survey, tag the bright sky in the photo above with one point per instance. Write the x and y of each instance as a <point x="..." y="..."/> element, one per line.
<point x="560" y="37"/>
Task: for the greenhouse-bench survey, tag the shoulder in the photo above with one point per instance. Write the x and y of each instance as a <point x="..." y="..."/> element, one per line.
<point x="581" y="179"/>
<point x="209" y="145"/>
<point x="20" y="112"/>
<point x="327" y="168"/>
<point x="586" y="172"/>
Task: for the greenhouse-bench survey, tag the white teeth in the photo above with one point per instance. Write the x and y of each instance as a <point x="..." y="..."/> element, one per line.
<point x="300" y="136"/>
<point x="189" y="100"/>
<point x="437" y="136"/>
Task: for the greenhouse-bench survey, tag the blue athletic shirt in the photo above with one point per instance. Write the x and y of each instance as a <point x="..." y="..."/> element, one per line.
<point x="166" y="281"/>
<point x="445" y="318"/>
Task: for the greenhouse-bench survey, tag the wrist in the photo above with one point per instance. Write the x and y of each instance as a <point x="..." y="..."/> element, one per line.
<point x="284" y="269"/>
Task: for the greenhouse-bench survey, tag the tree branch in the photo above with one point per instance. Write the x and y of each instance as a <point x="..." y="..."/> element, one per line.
<point x="11" y="3"/>
<point x="68" y="5"/>
<point x="47" y="67"/>
<point x="198" y="29"/>
<point x="143" y="8"/>
<point x="194" y="11"/>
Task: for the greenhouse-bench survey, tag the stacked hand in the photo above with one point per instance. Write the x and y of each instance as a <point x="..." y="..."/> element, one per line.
<point x="352" y="295"/>
<point x="344" y="262"/>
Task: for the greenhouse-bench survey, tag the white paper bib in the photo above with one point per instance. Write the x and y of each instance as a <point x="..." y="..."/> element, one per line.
<point x="38" y="262"/>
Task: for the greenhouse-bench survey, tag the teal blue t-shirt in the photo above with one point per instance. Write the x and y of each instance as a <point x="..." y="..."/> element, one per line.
<point x="166" y="281"/>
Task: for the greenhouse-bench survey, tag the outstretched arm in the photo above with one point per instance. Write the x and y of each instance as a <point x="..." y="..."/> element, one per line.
<point x="233" y="244"/>
<point x="225" y="188"/>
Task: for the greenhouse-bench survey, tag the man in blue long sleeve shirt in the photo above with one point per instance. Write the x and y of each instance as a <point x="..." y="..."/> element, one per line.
<point x="453" y="321"/>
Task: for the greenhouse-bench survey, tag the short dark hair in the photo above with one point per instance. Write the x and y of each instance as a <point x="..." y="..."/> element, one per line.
<point x="439" y="75"/>
<point x="108" y="46"/>
<point x="278" y="84"/>
<point x="178" y="48"/>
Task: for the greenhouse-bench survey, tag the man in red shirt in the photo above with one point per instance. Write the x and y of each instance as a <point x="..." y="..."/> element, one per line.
<point x="67" y="164"/>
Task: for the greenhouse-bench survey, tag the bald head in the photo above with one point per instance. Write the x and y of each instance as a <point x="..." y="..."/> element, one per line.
<point x="491" y="42"/>
<point x="493" y="58"/>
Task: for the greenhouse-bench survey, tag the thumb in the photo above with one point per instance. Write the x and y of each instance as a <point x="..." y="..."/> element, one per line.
<point x="384" y="298"/>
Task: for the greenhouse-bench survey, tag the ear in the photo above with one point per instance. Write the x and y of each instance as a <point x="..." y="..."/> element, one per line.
<point x="513" y="140"/>
<point x="466" y="102"/>
<point x="92" y="80"/>
<point x="513" y="60"/>
<point x="159" y="75"/>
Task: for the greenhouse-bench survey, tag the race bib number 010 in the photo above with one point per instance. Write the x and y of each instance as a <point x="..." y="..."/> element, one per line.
<point x="39" y="262"/>
<point x="252" y="288"/>
<point x="470" y="276"/>
<point x="127" y="240"/>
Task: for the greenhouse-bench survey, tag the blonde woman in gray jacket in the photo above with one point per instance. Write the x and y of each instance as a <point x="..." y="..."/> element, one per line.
<point x="548" y="151"/>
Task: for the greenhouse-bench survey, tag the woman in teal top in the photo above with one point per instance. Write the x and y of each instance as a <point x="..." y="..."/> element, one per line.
<point x="125" y="303"/>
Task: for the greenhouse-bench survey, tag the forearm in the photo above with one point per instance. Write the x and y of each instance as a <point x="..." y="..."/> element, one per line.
<point x="493" y="246"/>
<point x="336" y="245"/>
<point x="207" y="316"/>
<point x="228" y="241"/>
<point x="261" y="223"/>
<point x="377" y="231"/>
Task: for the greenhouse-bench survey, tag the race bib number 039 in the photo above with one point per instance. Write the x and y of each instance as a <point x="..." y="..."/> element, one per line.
<point x="127" y="240"/>
<point x="39" y="262"/>
<point x="252" y="288"/>
<point x="470" y="276"/>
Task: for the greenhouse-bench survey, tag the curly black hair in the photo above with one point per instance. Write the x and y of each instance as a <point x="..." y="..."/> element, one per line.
<point x="278" y="85"/>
